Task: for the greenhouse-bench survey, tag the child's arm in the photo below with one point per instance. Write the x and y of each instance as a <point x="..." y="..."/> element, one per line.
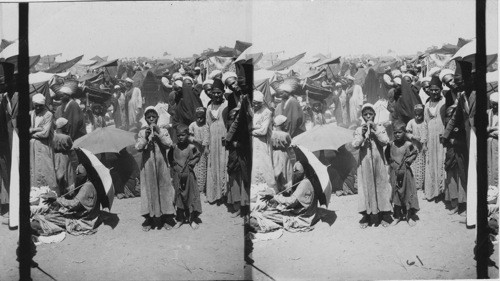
<point x="411" y="152"/>
<point x="164" y="137"/>
<point x="195" y="158"/>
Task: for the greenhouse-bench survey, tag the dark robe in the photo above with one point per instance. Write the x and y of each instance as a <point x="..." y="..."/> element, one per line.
<point x="74" y="114"/>
<point x="186" y="108"/>
<point x="371" y="87"/>
<point x="405" y="104"/>
<point x="295" y="123"/>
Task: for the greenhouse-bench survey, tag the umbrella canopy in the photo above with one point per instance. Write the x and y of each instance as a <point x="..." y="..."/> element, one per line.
<point x="468" y="52"/>
<point x="327" y="61"/>
<point x="107" y="139"/>
<point x="324" y="137"/>
<point x="316" y="172"/>
<point x="99" y="175"/>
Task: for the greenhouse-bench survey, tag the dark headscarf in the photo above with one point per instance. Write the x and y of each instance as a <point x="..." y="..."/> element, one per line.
<point x="404" y="107"/>
<point x="186" y="109"/>
<point x="371" y="87"/>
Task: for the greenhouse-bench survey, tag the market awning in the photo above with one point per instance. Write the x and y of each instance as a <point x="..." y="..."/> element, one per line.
<point x="60" y="67"/>
<point x="286" y="63"/>
<point x="327" y="61"/>
<point x="104" y="64"/>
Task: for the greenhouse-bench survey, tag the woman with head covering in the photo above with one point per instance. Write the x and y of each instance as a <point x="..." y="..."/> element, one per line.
<point x="42" y="155"/>
<point x="281" y="141"/>
<point x="157" y="192"/>
<point x="262" y="170"/>
<point x="189" y="102"/>
<point x="374" y="190"/>
<point x="62" y="144"/>
<point x="217" y="157"/>
<point x="433" y="115"/>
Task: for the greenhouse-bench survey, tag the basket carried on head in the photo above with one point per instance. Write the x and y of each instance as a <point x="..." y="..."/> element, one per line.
<point x="69" y="86"/>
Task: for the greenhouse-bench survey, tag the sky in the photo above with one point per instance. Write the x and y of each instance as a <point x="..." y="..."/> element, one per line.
<point x="130" y="29"/>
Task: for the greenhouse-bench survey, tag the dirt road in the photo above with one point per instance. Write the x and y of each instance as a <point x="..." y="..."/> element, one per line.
<point x="214" y="251"/>
<point x="343" y="251"/>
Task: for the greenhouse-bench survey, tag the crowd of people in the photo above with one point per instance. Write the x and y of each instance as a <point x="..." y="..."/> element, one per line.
<point x="413" y="130"/>
<point x="190" y="140"/>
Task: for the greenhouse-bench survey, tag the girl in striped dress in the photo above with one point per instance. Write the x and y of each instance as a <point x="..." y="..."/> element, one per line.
<point x="201" y="138"/>
<point x="417" y="132"/>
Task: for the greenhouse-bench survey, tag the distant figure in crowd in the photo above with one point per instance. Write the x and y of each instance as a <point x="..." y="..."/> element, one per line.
<point x="41" y="152"/>
<point x="262" y="168"/>
<point x="217" y="158"/>
<point x="201" y="139"/>
<point x="356" y="100"/>
<point x="205" y="94"/>
<point x="374" y="191"/>
<point x="157" y="192"/>
<point x="118" y="102"/>
<point x="433" y="115"/>
<point x="133" y="98"/>
<point x="417" y="133"/>
<point x="62" y="144"/>
<point x="299" y="206"/>
<point x="70" y="110"/>
<point x="281" y="141"/>
<point x="183" y="157"/>
<point x="317" y="116"/>
<point x="78" y="214"/>
<point x="400" y="154"/>
<point x="290" y="107"/>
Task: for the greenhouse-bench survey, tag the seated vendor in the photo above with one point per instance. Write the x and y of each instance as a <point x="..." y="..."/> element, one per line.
<point x="77" y="215"/>
<point x="295" y="212"/>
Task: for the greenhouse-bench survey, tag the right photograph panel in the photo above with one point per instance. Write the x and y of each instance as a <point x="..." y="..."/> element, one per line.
<point x="364" y="144"/>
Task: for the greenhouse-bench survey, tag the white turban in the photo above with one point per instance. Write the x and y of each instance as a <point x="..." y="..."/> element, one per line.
<point x="129" y="80"/>
<point x="66" y="90"/>
<point x="117" y="87"/>
<point x="445" y="72"/>
<point x="60" y="122"/>
<point x="227" y="75"/>
<point x="39" y="99"/>
<point x="279" y="120"/>
<point x="396" y="73"/>
<point x="178" y="83"/>
<point x="176" y="76"/>
<point x="425" y="79"/>
<point x="258" y="96"/>
<point x="188" y="78"/>
<point x="197" y="68"/>
<point x="408" y="75"/>
<point x="350" y="77"/>
<point x="208" y="82"/>
<point x="403" y="68"/>
<point x="214" y="73"/>
<point x="397" y="80"/>
<point x="182" y="71"/>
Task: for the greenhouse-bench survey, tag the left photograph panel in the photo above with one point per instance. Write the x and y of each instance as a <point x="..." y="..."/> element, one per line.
<point x="134" y="111"/>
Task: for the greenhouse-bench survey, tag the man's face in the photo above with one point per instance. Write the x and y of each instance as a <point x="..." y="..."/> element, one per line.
<point x="435" y="92"/>
<point x="449" y="81"/>
<point x="197" y="72"/>
<point x="459" y="82"/>
<point x="285" y="95"/>
<point x="257" y="105"/>
<point x="425" y="87"/>
<point x="232" y="84"/>
<point x="39" y="108"/>
<point x="216" y="95"/>
<point x="208" y="89"/>
<point x="298" y="173"/>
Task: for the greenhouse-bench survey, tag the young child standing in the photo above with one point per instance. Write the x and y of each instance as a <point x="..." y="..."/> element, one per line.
<point x="183" y="157"/>
<point x="417" y="133"/>
<point x="200" y="135"/>
<point x="400" y="154"/>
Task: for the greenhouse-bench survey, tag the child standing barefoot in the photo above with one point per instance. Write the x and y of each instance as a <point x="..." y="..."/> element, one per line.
<point x="201" y="138"/>
<point x="157" y="193"/>
<point x="417" y="134"/>
<point x="400" y="154"/>
<point x="183" y="157"/>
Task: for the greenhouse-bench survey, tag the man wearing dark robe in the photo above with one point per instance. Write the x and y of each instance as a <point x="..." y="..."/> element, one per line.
<point x="291" y="109"/>
<point x="70" y="110"/>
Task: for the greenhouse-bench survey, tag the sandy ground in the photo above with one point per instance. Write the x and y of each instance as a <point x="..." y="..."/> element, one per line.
<point x="337" y="249"/>
<point x="125" y="252"/>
